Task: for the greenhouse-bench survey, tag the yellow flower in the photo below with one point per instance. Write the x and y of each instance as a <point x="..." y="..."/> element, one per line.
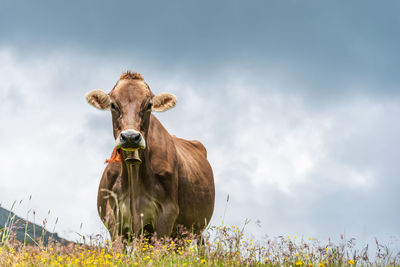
<point x="310" y="238"/>
<point x="266" y="259"/>
<point x="295" y="236"/>
<point x="203" y="261"/>
<point x="307" y="256"/>
<point x="287" y="236"/>
<point x="298" y="263"/>
<point x="351" y="262"/>
<point x="296" y="254"/>
<point x="310" y="264"/>
<point x="136" y="264"/>
<point x="321" y="265"/>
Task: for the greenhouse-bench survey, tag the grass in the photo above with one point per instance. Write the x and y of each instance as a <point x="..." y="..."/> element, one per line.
<point x="222" y="246"/>
<point x="219" y="246"/>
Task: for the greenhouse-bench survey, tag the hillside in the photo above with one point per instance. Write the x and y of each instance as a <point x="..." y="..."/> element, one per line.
<point x="19" y="226"/>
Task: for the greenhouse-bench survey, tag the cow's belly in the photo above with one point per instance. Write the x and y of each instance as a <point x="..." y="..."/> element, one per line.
<point x="196" y="203"/>
<point x="196" y="187"/>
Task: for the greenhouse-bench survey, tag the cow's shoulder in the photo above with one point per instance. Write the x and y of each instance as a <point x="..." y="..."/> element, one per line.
<point x="110" y="176"/>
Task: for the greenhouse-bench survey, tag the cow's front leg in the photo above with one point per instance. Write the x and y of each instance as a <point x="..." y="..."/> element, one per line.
<point x="165" y="221"/>
<point x="110" y="219"/>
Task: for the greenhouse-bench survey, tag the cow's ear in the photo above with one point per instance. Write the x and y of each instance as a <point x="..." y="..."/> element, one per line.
<point x="163" y="102"/>
<point x="98" y="99"/>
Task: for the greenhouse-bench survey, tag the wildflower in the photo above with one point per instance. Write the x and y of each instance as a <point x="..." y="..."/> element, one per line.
<point x="296" y="254"/>
<point x="298" y="263"/>
<point x="307" y="256"/>
<point x="351" y="262"/>
<point x="266" y="259"/>
<point x="321" y="264"/>
<point x="295" y="236"/>
<point x="310" y="238"/>
<point x="203" y="261"/>
<point x="287" y="237"/>
<point x="310" y="264"/>
<point x="136" y="264"/>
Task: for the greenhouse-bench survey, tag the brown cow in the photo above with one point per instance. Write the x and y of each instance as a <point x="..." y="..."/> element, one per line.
<point x="154" y="181"/>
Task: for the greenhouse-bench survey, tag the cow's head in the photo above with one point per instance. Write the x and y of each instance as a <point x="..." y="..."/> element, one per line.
<point x="131" y="102"/>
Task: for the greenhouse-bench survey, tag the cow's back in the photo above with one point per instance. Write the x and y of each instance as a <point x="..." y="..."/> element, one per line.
<point x="196" y="184"/>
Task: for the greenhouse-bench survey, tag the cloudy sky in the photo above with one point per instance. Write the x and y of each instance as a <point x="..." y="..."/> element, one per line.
<point x="297" y="102"/>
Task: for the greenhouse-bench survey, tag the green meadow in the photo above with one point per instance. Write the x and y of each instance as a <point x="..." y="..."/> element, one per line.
<point x="219" y="246"/>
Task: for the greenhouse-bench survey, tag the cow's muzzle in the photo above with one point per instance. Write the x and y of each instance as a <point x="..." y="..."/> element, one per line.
<point x="130" y="140"/>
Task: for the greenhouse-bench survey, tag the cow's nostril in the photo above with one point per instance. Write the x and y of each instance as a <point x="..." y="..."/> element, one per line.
<point x="123" y="137"/>
<point x="137" y="137"/>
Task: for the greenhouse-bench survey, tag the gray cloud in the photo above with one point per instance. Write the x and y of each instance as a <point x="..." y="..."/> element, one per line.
<point x="323" y="49"/>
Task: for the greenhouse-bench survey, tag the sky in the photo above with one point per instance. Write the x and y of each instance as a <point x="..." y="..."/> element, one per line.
<point x="297" y="103"/>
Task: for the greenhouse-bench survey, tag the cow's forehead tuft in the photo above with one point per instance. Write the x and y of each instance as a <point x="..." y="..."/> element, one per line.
<point x="130" y="75"/>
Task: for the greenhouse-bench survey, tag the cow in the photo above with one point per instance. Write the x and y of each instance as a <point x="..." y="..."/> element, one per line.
<point x="154" y="182"/>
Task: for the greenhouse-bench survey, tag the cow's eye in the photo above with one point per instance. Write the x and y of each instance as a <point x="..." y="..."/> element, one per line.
<point x="149" y="106"/>
<point x="114" y="108"/>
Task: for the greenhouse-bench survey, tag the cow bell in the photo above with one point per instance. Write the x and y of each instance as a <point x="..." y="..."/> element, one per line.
<point x="132" y="157"/>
